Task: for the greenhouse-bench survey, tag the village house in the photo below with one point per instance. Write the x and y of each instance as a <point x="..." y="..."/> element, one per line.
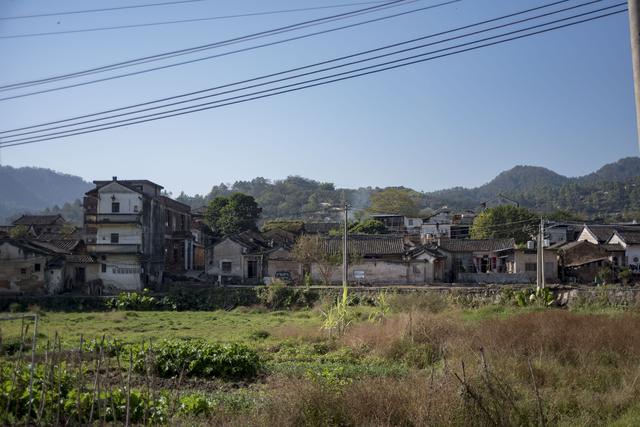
<point x="399" y="223"/>
<point x="239" y="258"/>
<point x="472" y="261"/>
<point x="599" y="234"/>
<point x="378" y="260"/>
<point x="32" y="266"/>
<point x="38" y="224"/>
<point x="133" y="230"/>
<point x="525" y="264"/>
<point x="629" y="239"/>
<point x="580" y="261"/>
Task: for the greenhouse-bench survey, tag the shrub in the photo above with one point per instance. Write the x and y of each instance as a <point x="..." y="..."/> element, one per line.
<point x="279" y="297"/>
<point x="198" y="359"/>
<point x="140" y="302"/>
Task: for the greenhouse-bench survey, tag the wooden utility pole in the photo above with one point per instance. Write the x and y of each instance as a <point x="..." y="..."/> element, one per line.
<point x="634" y="31"/>
<point x="345" y="247"/>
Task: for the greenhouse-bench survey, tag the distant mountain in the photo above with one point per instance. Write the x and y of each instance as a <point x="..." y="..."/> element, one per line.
<point x="620" y="171"/>
<point x="613" y="190"/>
<point x="535" y="187"/>
<point x="33" y="190"/>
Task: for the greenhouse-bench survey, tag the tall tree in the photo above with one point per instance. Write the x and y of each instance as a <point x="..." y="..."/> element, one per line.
<point x="505" y="221"/>
<point x="232" y="214"/>
<point x="394" y="201"/>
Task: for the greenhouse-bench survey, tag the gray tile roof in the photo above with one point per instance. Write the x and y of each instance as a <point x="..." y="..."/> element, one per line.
<point x="468" y="245"/>
<point x="366" y="244"/>
<point x="629" y="237"/>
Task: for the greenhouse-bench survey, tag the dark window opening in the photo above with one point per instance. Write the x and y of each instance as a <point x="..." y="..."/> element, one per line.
<point x="115" y="207"/>
<point x="115" y="238"/>
<point x="36" y="267"/>
<point x="226" y="267"/>
<point x="23" y="271"/>
<point x="252" y="269"/>
<point x="103" y="268"/>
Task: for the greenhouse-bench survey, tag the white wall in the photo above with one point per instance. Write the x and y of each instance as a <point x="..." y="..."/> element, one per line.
<point x="123" y="273"/>
<point x="128" y="234"/>
<point x="127" y="198"/>
<point x="585" y="235"/>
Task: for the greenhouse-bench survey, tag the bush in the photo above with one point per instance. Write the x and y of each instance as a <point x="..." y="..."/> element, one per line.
<point x="198" y="359"/>
<point x="140" y="302"/>
<point x="279" y="297"/>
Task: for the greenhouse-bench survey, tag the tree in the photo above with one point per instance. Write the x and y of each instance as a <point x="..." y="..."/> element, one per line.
<point x="309" y="250"/>
<point x="18" y="232"/>
<point x="394" y="201"/>
<point x="232" y="214"/>
<point x="368" y="226"/>
<point x="504" y="222"/>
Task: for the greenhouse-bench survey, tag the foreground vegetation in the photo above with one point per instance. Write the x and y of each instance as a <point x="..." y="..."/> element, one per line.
<point x="416" y="359"/>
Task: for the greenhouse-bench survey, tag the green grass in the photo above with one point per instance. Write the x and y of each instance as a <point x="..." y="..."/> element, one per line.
<point x="136" y="326"/>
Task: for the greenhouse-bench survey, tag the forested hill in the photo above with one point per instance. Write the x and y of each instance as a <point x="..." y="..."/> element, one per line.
<point x="33" y="190"/>
<point x="613" y="190"/>
<point x="610" y="190"/>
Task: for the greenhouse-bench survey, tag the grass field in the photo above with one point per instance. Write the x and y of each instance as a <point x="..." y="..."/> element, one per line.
<point x="424" y="360"/>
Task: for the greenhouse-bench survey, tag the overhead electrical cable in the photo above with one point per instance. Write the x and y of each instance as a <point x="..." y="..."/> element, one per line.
<point x="185" y="51"/>
<point x="303" y="74"/>
<point x="13" y="135"/>
<point x="134" y="73"/>
<point x="106" y="9"/>
<point x="313" y="83"/>
<point x="185" y="21"/>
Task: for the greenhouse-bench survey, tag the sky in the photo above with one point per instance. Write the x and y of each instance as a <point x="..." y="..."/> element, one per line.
<point x="563" y="100"/>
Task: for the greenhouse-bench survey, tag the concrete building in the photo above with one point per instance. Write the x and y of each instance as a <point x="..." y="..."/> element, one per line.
<point x="133" y="230"/>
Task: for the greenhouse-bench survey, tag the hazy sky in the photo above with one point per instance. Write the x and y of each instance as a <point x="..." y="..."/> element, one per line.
<point x="563" y="100"/>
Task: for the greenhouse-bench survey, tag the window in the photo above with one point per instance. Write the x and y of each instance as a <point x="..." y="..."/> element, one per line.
<point x="115" y="207"/>
<point x="103" y="268"/>
<point x="23" y="271"/>
<point x="135" y="208"/>
<point x="252" y="269"/>
<point x="226" y="266"/>
<point x="410" y="222"/>
<point x="530" y="266"/>
<point x="103" y="257"/>
<point x="115" y="238"/>
<point x="36" y="267"/>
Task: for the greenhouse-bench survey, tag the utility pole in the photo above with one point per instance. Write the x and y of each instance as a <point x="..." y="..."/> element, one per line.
<point x="634" y="31"/>
<point x="540" y="257"/>
<point x="542" y="251"/>
<point x="345" y="248"/>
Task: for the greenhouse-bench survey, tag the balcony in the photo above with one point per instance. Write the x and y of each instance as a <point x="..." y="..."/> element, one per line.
<point x="112" y="248"/>
<point x="114" y="218"/>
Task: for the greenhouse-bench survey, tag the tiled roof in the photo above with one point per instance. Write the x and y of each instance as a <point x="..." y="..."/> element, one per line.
<point x="320" y="227"/>
<point x="364" y="244"/>
<point x="605" y="231"/>
<point x="484" y="245"/>
<point x="629" y="237"/>
<point x="251" y="240"/>
<point x="37" y="219"/>
<point x="610" y="247"/>
<point x="80" y="259"/>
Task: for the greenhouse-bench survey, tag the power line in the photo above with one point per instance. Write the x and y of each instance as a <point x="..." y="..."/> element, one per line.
<point x="211" y="56"/>
<point x="262" y="94"/>
<point x="186" y="21"/>
<point x="292" y="70"/>
<point x="290" y="88"/>
<point x="74" y="12"/>
<point x="185" y="51"/>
